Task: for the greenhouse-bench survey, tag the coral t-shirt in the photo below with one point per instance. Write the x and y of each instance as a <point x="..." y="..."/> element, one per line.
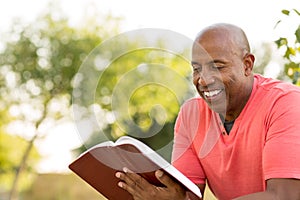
<point x="263" y="143"/>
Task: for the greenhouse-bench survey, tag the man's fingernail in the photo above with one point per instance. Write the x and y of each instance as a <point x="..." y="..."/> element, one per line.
<point x="125" y="169"/>
<point x="118" y="174"/>
<point x="159" y="173"/>
<point x="120" y="184"/>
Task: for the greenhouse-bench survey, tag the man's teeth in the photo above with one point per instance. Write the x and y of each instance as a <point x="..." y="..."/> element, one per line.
<point x="212" y="93"/>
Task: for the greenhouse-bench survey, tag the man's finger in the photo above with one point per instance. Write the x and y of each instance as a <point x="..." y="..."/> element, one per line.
<point x="126" y="179"/>
<point x="165" y="179"/>
<point x="136" y="178"/>
<point x="131" y="180"/>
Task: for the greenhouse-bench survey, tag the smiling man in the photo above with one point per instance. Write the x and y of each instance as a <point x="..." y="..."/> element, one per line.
<point x="241" y="136"/>
<point x="217" y="60"/>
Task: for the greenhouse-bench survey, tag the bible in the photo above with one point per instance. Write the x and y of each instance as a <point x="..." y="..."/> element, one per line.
<point x="97" y="166"/>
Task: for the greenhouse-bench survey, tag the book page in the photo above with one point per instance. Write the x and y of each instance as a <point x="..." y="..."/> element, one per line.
<point x="103" y="144"/>
<point x="160" y="161"/>
<point x="150" y="153"/>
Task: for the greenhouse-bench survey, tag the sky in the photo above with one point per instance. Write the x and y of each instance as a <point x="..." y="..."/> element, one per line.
<point x="256" y="17"/>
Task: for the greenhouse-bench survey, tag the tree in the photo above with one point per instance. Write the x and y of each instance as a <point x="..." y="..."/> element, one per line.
<point x="40" y="72"/>
<point x="263" y="54"/>
<point x="139" y="88"/>
<point x="9" y="157"/>
<point x="9" y="161"/>
<point x="291" y="49"/>
<point x="38" y="65"/>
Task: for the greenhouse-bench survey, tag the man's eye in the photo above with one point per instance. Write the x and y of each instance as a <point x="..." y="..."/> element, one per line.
<point x="217" y="66"/>
<point x="197" y="69"/>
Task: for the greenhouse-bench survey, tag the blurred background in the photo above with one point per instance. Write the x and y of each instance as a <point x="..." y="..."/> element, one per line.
<point x="43" y="45"/>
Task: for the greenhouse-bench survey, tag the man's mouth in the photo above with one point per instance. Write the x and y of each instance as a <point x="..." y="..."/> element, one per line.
<point x="211" y="94"/>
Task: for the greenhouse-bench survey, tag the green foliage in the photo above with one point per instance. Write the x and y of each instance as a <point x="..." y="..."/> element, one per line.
<point x="143" y="88"/>
<point x="263" y="54"/>
<point x="47" y="54"/>
<point x="41" y="61"/>
<point x="37" y="67"/>
<point x="11" y="148"/>
<point x="286" y="12"/>
<point x="291" y="50"/>
<point x="142" y="80"/>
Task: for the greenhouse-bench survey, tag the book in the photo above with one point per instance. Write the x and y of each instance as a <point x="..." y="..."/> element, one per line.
<point x="97" y="166"/>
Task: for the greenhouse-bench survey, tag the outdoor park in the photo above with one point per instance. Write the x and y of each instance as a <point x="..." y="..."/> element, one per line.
<point x="48" y="93"/>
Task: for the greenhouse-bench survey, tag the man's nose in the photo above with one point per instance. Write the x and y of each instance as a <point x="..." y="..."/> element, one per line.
<point x="206" y="78"/>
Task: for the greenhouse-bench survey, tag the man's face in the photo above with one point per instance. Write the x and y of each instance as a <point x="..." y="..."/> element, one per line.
<point x="219" y="74"/>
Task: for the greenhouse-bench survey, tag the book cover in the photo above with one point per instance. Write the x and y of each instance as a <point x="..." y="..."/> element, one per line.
<point x="98" y="165"/>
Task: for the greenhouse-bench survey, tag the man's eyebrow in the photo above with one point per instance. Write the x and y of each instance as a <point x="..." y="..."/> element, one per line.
<point x="216" y="61"/>
<point x="194" y="63"/>
<point x="209" y="63"/>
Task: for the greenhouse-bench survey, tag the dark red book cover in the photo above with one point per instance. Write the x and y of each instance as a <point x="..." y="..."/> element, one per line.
<point x="98" y="165"/>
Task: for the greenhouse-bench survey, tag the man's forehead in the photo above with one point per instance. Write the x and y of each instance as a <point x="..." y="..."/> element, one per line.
<point x="199" y="52"/>
<point x="202" y="59"/>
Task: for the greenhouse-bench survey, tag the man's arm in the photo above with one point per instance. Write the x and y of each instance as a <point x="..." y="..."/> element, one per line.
<point x="277" y="189"/>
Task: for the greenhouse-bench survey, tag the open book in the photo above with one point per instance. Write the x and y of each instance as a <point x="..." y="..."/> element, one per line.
<point x="98" y="165"/>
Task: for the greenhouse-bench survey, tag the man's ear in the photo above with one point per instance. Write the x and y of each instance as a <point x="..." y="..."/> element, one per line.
<point x="249" y="59"/>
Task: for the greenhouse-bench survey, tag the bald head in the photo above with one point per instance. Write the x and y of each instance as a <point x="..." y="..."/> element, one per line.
<point x="225" y="35"/>
<point x="222" y="64"/>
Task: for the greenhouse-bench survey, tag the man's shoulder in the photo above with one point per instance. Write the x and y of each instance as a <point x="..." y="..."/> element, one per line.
<point x="274" y="86"/>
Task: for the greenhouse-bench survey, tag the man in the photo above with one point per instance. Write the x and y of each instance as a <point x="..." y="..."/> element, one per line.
<point x="242" y="136"/>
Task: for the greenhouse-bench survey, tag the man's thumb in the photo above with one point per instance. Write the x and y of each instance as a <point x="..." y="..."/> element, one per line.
<point x="164" y="178"/>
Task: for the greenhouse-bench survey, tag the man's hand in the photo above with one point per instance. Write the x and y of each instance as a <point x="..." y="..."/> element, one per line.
<point x="141" y="189"/>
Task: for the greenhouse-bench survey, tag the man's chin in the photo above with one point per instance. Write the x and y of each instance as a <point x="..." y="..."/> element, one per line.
<point x="218" y="108"/>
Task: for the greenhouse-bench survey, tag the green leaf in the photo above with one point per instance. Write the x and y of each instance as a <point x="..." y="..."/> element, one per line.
<point x="281" y="42"/>
<point x="279" y="21"/>
<point x="297" y="34"/>
<point x="286" y="12"/>
<point x="292" y="51"/>
<point x="287" y="54"/>
<point x="296" y="11"/>
<point x="289" y="51"/>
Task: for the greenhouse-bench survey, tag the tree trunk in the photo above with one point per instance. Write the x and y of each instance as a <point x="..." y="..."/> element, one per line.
<point x="14" y="189"/>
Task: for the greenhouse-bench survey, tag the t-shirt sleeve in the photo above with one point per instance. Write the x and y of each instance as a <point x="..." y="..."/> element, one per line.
<point x="184" y="157"/>
<point x="281" y="156"/>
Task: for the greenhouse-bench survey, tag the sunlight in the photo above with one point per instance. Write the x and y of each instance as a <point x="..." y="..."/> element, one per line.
<point x="184" y="18"/>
